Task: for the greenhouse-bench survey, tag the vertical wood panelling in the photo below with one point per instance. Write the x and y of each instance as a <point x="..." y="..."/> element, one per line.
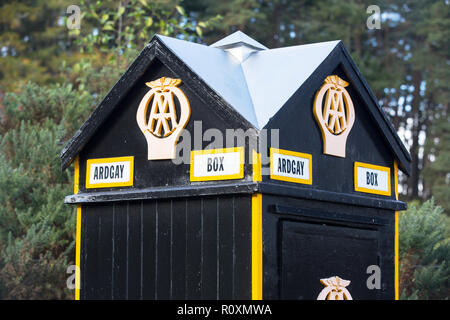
<point x="104" y="257"/>
<point x="120" y="251"/>
<point x="243" y="249"/>
<point x="193" y="248"/>
<point x="163" y="275"/>
<point x="179" y="249"/>
<point x="225" y="261"/>
<point x="198" y="248"/>
<point x="209" y="252"/>
<point x="91" y="251"/>
<point x="149" y="250"/>
<point x="134" y="250"/>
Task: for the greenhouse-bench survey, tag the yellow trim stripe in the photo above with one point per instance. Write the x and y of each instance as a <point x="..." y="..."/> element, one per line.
<point x="256" y="161"/>
<point x="76" y="177"/>
<point x="396" y="245"/>
<point x="257" y="266"/>
<point x="78" y="232"/>
<point x="110" y="184"/>
<point x="373" y="167"/>
<point x="238" y="175"/>
<point x="294" y="154"/>
<point x="78" y="255"/>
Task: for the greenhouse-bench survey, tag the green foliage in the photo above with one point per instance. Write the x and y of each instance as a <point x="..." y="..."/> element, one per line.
<point x="424" y="241"/>
<point x="36" y="228"/>
<point x="33" y="40"/>
<point x="125" y="27"/>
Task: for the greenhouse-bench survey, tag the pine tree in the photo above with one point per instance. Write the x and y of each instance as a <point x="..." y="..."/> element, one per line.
<point x="36" y="228"/>
<point x="424" y="252"/>
<point x="33" y="41"/>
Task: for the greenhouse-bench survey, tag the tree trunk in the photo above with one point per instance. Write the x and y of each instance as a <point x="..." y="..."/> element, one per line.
<point x="413" y="188"/>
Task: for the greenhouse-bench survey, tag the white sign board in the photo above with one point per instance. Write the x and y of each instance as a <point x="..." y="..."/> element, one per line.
<point x="290" y="166"/>
<point x="109" y="172"/>
<point x="217" y="164"/>
<point x="370" y="178"/>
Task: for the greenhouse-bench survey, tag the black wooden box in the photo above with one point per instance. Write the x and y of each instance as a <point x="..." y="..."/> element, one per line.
<point x="233" y="171"/>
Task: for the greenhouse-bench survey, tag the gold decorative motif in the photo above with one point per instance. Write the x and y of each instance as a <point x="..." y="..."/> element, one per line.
<point x="335" y="114"/>
<point x="335" y="289"/>
<point x="161" y="127"/>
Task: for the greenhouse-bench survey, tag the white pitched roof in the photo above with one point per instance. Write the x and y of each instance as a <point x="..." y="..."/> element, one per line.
<point x="256" y="82"/>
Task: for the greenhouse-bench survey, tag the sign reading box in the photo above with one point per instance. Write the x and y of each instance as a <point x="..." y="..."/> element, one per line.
<point x="290" y="166"/>
<point x="370" y="178"/>
<point x="217" y="164"/>
<point x="109" y="172"/>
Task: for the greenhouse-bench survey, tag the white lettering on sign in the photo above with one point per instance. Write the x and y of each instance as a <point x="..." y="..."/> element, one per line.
<point x="109" y="172"/>
<point x="370" y="178"/>
<point x="290" y="166"/>
<point x="217" y="164"/>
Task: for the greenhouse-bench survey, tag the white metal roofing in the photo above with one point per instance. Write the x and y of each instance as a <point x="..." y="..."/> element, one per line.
<point x="256" y="82"/>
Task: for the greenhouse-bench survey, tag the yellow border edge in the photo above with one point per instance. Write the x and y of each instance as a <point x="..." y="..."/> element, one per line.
<point x="112" y="184"/>
<point x="295" y="154"/>
<point x="257" y="266"/>
<point x="396" y="240"/>
<point x="374" y="167"/>
<point x="78" y="232"/>
<point x="239" y="175"/>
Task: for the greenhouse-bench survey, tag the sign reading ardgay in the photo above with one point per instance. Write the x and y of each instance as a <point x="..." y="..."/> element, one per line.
<point x="109" y="172"/>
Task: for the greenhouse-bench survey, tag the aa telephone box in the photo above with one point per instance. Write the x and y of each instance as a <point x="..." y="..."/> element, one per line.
<point x="234" y="171"/>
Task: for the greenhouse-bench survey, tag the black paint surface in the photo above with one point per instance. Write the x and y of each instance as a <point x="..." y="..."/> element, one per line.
<point x="305" y="241"/>
<point x="198" y="248"/>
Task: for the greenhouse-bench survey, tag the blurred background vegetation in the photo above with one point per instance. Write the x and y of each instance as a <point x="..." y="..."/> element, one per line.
<point x="51" y="78"/>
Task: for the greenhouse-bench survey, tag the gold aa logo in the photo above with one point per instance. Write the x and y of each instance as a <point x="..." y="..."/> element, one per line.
<point x="163" y="118"/>
<point x="335" y="114"/>
<point x="335" y="289"/>
<point x="160" y="126"/>
<point x="334" y="110"/>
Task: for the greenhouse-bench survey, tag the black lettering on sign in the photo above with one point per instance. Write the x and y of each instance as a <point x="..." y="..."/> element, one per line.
<point x="221" y="164"/>
<point x="291" y="166"/>
<point x="106" y="172"/>
<point x="215" y="164"/>
<point x="372" y="178"/>
<point x="209" y="166"/>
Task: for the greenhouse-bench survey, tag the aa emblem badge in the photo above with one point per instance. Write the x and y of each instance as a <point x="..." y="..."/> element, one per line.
<point x="335" y="289"/>
<point x="160" y="126"/>
<point x="335" y="114"/>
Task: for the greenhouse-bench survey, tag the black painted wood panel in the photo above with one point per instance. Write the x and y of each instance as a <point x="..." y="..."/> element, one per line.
<point x="305" y="241"/>
<point x="198" y="248"/>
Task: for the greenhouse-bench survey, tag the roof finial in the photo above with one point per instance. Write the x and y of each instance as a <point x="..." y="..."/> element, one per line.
<point x="239" y="45"/>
